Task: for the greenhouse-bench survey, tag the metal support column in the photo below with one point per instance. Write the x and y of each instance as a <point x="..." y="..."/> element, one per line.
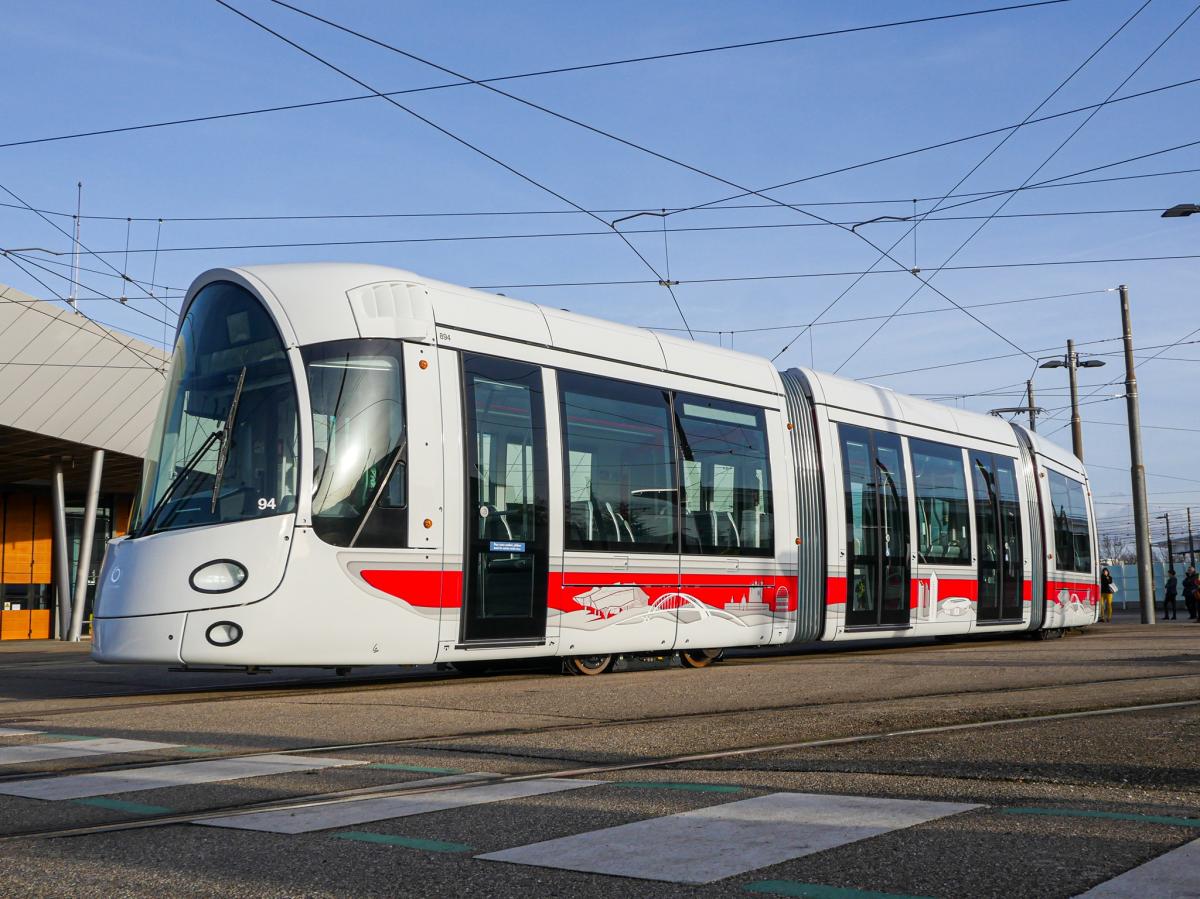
<point x="1032" y="405"/>
<point x="62" y="567"/>
<point x="1141" y="515"/>
<point x="1191" y="540"/>
<point x="85" y="545"/>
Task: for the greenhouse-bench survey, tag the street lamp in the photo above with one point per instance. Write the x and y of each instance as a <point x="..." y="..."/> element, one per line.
<point x="1181" y="210"/>
<point x="1071" y="362"/>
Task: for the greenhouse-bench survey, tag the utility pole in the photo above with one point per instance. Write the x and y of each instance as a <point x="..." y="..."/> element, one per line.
<point x="1076" y="422"/>
<point x="1191" y="542"/>
<point x="1166" y="516"/>
<point x="1032" y="408"/>
<point x="1137" y="470"/>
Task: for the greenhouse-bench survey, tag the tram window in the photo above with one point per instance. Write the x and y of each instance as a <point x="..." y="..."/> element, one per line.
<point x="226" y="339"/>
<point x="1072" y="534"/>
<point x="359" y="465"/>
<point x="726" y="477"/>
<point x="943" y="516"/>
<point x="620" y="465"/>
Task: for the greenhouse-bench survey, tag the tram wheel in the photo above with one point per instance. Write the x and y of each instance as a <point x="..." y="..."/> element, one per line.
<point x="700" y="658"/>
<point x="588" y="665"/>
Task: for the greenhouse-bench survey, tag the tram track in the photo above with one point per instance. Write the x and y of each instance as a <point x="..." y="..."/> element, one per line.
<point x="577" y="771"/>
<point x="242" y="691"/>
<point x="430" y="742"/>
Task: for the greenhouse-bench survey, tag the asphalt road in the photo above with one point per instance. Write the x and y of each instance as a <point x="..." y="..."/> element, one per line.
<point x="943" y="770"/>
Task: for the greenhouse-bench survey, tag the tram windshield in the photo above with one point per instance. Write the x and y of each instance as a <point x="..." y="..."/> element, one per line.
<point x="192" y="478"/>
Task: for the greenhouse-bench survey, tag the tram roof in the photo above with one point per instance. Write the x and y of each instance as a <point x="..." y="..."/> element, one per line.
<point x="389" y="302"/>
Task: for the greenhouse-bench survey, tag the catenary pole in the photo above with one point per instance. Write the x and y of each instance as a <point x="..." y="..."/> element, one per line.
<point x="1076" y="422"/>
<point x="1191" y="540"/>
<point x="1032" y="410"/>
<point x="1137" y="470"/>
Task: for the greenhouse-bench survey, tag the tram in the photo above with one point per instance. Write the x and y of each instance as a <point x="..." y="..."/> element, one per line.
<point x="355" y="465"/>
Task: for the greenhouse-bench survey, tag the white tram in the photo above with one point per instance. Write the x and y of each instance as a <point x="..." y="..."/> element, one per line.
<point x="355" y="465"/>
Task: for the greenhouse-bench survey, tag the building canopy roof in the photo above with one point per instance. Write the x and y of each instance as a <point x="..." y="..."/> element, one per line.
<point x="68" y="386"/>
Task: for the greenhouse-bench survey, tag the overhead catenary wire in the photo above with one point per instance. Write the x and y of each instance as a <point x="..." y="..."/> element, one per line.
<point x="80" y="245"/>
<point x="643" y="149"/>
<point x="677" y="54"/>
<point x="546" y="235"/>
<point x="962" y="180"/>
<point x="167" y="290"/>
<point x="1008" y="199"/>
<point x="37" y="264"/>
<point x="727" y="279"/>
<point x="867" y="318"/>
<point x="1185" y="339"/>
<point x="457" y="139"/>
<point x="106" y="334"/>
<point x="942" y="145"/>
<point x="1051" y="184"/>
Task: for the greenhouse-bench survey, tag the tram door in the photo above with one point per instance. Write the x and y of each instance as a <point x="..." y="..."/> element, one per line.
<point x="877" y="544"/>
<point x="998" y="524"/>
<point x="507" y="543"/>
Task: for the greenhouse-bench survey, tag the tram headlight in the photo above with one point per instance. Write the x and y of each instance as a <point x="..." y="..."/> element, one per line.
<point x="219" y="576"/>
<point x="223" y="633"/>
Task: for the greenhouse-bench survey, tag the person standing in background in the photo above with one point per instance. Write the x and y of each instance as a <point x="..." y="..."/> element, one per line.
<point x="1106" y="594"/>
<point x="1189" y="591"/>
<point x="1169" y="597"/>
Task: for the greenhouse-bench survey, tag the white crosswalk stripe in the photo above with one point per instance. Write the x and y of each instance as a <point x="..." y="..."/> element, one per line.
<point x="1173" y="875"/>
<point x="130" y="780"/>
<point x="73" y="749"/>
<point x="17" y="731"/>
<point x="724" y="840"/>
<point x="361" y="811"/>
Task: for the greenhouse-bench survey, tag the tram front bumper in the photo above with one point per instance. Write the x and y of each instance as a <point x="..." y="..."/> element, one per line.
<point x="142" y="639"/>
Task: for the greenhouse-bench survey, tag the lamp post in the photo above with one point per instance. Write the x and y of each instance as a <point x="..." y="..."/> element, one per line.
<point x="1166" y="516"/>
<point x="1071" y="362"/>
<point x="1181" y="210"/>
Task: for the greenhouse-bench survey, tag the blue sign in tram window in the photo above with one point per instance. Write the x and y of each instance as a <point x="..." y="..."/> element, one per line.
<point x="506" y="546"/>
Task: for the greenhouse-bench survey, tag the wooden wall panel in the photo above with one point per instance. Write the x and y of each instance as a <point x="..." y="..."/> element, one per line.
<point x="18" y="539"/>
<point x="15" y="625"/>
<point x="43" y="541"/>
<point x="39" y="624"/>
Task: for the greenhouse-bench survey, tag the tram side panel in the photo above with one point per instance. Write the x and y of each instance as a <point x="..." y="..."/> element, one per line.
<point x="619" y="592"/>
<point x="1072" y="568"/>
<point x="991" y="500"/>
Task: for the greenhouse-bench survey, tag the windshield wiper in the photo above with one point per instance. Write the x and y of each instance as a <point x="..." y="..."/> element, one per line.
<point x="182" y="473"/>
<point x="221" y="434"/>
<point x="226" y="433"/>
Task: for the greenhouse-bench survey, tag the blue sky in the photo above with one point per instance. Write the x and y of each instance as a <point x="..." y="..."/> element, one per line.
<point x="756" y="117"/>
